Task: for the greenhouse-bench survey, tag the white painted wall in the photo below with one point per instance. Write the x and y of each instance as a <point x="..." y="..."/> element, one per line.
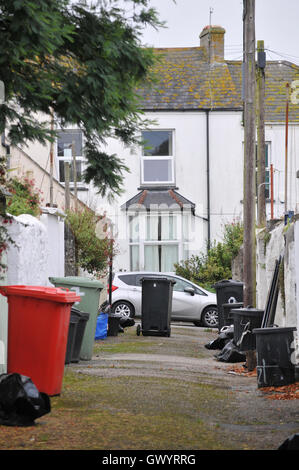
<point x="275" y="133"/>
<point x="38" y="254"/>
<point x="39" y="250"/>
<point x="190" y="169"/>
<point x="226" y="170"/>
<point x="27" y="165"/>
<point x="27" y="262"/>
<point x="283" y="241"/>
<point x="190" y="165"/>
<point x="268" y="251"/>
<point x="54" y="224"/>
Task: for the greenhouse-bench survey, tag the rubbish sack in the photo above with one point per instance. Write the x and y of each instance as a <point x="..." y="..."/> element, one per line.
<point x="227" y="332"/>
<point x="230" y="353"/>
<point x="225" y="335"/>
<point x="291" y="443"/>
<point x="20" y="401"/>
<point x="125" y="322"/>
<point x="217" y="343"/>
<point x="102" y="326"/>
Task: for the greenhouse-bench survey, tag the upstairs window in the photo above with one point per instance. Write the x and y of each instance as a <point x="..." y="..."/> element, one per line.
<point x="65" y="142"/>
<point x="157" y="157"/>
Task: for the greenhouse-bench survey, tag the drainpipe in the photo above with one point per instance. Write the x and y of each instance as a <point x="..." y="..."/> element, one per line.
<point x="208" y="176"/>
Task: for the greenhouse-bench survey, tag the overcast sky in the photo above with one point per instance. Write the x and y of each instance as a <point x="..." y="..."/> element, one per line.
<point x="276" y="22"/>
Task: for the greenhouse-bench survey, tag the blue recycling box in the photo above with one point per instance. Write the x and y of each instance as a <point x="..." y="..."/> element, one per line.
<point x="102" y="326"/>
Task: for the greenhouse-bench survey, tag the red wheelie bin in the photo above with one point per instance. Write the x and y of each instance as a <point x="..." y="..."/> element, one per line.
<point x="38" y="323"/>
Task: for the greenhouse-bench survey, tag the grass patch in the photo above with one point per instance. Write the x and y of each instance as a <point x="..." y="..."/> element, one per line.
<point x="137" y="413"/>
<point x="124" y="347"/>
<point x="185" y="342"/>
<point x="123" y="413"/>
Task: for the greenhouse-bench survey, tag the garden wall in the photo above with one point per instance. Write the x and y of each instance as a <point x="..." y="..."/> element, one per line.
<point x="280" y="239"/>
<point x="39" y="249"/>
<point x="37" y="254"/>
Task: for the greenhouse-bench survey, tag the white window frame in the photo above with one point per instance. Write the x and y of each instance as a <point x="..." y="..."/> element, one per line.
<point x="79" y="158"/>
<point x="159" y="157"/>
<point x="182" y="244"/>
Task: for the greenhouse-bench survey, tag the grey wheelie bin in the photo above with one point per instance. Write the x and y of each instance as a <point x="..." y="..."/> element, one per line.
<point x="89" y="290"/>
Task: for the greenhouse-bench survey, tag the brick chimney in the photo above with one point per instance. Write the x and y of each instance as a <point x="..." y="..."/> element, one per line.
<point x="212" y="39"/>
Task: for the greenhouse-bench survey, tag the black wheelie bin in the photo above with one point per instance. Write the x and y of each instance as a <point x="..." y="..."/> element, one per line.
<point x="156" y="306"/>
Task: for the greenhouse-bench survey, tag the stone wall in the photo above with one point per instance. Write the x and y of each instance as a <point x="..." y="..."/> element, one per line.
<point x="70" y="252"/>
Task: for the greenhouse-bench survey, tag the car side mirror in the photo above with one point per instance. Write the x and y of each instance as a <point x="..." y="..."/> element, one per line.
<point x="189" y="290"/>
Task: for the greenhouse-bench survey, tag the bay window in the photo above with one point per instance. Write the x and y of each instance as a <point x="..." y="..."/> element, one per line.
<point x="156" y="241"/>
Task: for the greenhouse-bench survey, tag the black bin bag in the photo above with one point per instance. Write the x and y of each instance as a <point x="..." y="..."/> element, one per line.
<point x="20" y="401"/>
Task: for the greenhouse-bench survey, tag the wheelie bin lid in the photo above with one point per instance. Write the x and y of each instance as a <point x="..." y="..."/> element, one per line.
<point x="54" y="294"/>
<point x="233" y="305"/>
<point x="248" y="311"/>
<point x="77" y="281"/>
<point x="226" y="283"/>
<point x="157" y="278"/>
<point x="274" y="329"/>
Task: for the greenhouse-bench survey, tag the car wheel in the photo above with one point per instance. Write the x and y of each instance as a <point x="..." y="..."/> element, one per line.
<point x="209" y="317"/>
<point x="123" y="308"/>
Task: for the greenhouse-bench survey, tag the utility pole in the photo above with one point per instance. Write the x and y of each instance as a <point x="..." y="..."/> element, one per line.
<point x="286" y="154"/>
<point x="271" y="190"/>
<point x="261" y="147"/>
<point x="249" y="253"/>
<point x="67" y="185"/>
<point x="75" y="173"/>
<point x="249" y="153"/>
<point x="51" y="162"/>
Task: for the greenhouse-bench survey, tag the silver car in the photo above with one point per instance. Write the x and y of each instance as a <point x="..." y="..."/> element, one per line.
<point x="190" y="302"/>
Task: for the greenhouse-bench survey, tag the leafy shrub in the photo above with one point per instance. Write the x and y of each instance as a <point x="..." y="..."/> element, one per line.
<point x="92" y="251"/>
<point x="206" y="269"/>
<point x="26" y="199"/>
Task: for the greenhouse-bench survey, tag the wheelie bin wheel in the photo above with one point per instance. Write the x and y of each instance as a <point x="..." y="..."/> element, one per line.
<point x="138" y="330"/>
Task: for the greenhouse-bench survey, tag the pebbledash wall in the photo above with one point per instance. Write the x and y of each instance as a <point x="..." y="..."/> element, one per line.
<point x="38" y="251"/>
<point x="37" y="254"/>
<point x="275" y="241"/>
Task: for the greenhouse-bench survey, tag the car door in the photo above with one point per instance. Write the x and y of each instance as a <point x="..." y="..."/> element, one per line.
<point x="184" y="305"/>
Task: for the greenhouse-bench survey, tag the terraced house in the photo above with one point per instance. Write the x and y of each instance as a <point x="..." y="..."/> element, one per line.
<point x="186" y="181"/>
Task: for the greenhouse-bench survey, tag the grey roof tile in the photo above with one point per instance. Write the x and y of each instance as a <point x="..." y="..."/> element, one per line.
<point x="183" y="80"/>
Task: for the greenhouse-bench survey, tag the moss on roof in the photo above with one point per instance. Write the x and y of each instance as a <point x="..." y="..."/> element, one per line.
<point x="182" y="79"/>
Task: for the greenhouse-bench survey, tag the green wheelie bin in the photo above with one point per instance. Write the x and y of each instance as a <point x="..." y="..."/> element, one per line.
<point x="90" y="290"/>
